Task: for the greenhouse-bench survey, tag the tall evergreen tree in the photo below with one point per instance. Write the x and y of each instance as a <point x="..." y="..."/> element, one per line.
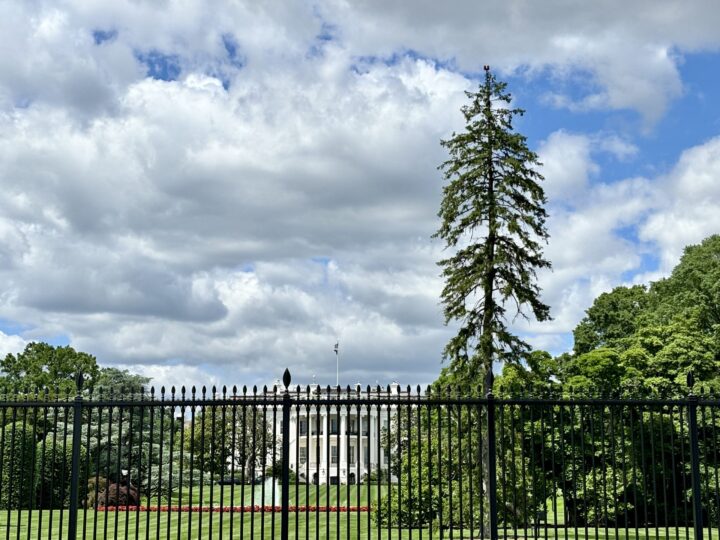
<point x="494" y="221"/>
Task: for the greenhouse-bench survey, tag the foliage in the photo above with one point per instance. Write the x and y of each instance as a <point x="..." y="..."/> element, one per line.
<point x="612" y="318"/>
<point x="145" y="441"/>
<point x="645" y="341"/>
<point x="95" y="486"/>
<point x="120" y="380"/>
<point x="43" y="365"/>
<point x="223" y="438"/>
<point x="16" y="464"/>
<point x="692" y="288"/>
<point x="494" y="221"/>
<point x="53" y="466"/>
<point x="451" y="466"/>
<point x="597" y="372"/>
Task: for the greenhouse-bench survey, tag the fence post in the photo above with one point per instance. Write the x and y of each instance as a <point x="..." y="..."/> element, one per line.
<point x="285" y="497"/>
<point x="695" y="460"/>
<point x="75" y="466"/>
<point x="492" y="457"/>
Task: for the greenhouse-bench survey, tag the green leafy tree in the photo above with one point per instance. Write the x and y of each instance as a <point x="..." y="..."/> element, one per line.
<point x="598" y="372"/>
<point x="145" y="441"/>
<point x="660" y="356"/>
<point x="612" y="318"/>
<point x="239" y="438"/>
<point x="120" y="380"/>
<point x="494" y="221"/>
<point x="43" y="365"/>
<point x="692" y="287"/>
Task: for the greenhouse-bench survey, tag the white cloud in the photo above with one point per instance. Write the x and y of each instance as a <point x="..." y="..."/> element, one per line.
<point x="629" y="50"/>
<point x="689" y="203"/>
<point x="11" y="344"/>
<point x="240" y="219"/>
<point x="567" y="165"/>
<point x="181" y="228"/>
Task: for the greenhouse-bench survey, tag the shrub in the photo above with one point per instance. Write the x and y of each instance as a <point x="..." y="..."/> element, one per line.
<point x="16" y="460"/>
<point x="52" y="470"/>
<point x="95" y="486"/>
<point x="383" y="475"/>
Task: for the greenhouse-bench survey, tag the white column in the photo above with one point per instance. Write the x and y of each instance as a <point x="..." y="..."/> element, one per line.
<point x="383" y="450"/>
<point x="293" y="441"/>
<point x="372" y="438"/>
<point x="361" y="457"/>
<point x="311" y="440"/>
<point x="325" y="451"/>
<point x="342" y="465"/>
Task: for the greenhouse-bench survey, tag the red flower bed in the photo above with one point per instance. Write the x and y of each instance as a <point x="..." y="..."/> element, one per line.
<point x="224" y="509"/>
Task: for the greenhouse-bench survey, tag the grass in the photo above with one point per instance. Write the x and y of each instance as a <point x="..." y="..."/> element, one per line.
<point x="25" y="524"/>
<point x="299" y="495"/>
<point x="137" y="525"/>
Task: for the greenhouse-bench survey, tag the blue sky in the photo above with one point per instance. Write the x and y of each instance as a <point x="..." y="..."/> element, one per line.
<point x="209" y="193"/>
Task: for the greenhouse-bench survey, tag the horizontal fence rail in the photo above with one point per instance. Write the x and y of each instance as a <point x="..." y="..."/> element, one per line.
<point x="383" y="463"/>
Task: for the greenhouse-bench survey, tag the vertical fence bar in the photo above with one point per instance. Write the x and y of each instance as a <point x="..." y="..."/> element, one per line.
<point x="285" y="499"/>
<point x="695" y="466"/>
<point x="75" y="467"/>
<point x="492" y="465"/>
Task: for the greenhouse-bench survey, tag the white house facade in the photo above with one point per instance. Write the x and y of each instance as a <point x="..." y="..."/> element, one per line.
<point x="340" y="443"/>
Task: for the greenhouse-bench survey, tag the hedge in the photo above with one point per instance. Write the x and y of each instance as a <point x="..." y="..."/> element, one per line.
<point x="16" y="462"/>
<point x="52" y="470"/>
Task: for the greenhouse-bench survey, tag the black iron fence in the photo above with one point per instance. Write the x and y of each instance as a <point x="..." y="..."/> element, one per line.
<point x="347" y="463"/>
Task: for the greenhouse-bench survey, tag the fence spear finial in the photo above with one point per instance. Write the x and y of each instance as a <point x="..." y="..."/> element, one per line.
<point x="286" y="378"/>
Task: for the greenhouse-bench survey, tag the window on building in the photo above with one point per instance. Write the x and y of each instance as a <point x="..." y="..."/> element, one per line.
<point x="353" y="427"/>
<point x="351" y="456"/>
<point x="303" y="426"/>
<point x="333" y="426"/>
<point x="366" y="453"/>
<point x="303" y="454"/>
<point x="334" y="455"/>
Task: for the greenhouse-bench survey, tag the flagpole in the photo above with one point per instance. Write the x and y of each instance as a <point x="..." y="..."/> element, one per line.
<point x="337" y="363"/>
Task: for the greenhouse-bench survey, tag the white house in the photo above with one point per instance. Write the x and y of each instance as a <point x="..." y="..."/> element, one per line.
<point x="340" y="443"/>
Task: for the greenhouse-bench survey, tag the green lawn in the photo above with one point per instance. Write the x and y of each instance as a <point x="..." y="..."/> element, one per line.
<point x="353" y="526"/>
<point x="166" y="525"/>
<point x="52" y="525"/>
<point x="301" y="494"/>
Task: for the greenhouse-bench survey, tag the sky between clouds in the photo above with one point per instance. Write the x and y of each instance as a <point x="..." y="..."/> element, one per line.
<point x="208" y="192"/>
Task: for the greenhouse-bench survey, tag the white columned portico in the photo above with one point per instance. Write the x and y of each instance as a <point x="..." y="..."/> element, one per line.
<point x="372" y="439"/>
<point x="343" y="447"/>
<point x="361" y="457"/>
<point x="325" y="450"/>
<point x="293" y="438"/>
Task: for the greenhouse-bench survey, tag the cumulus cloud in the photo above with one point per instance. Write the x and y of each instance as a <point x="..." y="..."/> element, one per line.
<point x="11" y="344"/>
<point x="232" y="227"/>
<point x="688" y="207"/>
<point x="210" y="192"/>
<point x="630" y="60"/>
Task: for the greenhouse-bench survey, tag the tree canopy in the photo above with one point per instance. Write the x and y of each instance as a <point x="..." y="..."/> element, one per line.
<point x="644" y="340"/>
<point x="41" y="365"/>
